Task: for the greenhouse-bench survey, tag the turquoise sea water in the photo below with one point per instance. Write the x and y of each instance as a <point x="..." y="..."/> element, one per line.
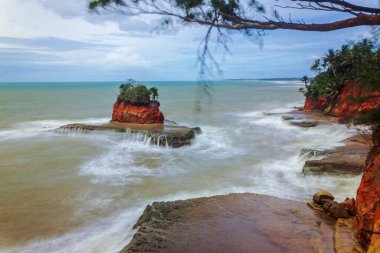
<point x="83" y="192"/>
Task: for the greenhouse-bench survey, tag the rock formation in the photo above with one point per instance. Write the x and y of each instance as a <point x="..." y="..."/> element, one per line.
<point x="241" y="222"/>
<point x="367" y="220"/>
<point x="352" y="100"/>
<point x="171" y="135"/>
<point x="319" y="104"/>
<point x="137" y="113"/>
<point x="349" y="158"/>
<point x="324" y="200"/>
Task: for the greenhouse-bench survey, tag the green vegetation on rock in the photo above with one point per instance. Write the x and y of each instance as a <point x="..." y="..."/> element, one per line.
<point x="136" y="93"/>
<point x="355" y="62"/>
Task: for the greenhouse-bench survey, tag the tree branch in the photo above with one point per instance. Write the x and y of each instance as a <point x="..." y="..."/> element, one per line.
<point x="344" y="4"/>
<point x="359" y="20"/>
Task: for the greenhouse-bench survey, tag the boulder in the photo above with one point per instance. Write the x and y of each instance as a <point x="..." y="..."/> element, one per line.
<point x="350" y="206"/>
<point x="320" y="196"/>
<point x="325" y="199"/>
<point x="337" y="210"/>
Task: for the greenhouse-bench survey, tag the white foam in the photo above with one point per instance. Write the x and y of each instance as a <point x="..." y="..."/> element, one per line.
<point x="53" y="124"/>
<point x="110" y="234"/>
<point x="253" y="114"/>
<point x="33" y="128"/>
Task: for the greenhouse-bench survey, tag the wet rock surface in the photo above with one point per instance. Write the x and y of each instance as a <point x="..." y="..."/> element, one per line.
<point x="172" y="135"/>
<point x="238" y="223"/>
<point x="347" y="159"/>
<point x="304" y="123"/>
<point x="308" y="120"/>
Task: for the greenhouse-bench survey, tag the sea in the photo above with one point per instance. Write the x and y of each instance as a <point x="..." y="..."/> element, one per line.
<point x="83" y="192"/>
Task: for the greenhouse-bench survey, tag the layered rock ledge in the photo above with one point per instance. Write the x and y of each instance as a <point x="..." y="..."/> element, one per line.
<point x="172" y="135"/>
<point x="308" y="118"/>
<point x="240" y="223"/>
<point x="346" y="159"/>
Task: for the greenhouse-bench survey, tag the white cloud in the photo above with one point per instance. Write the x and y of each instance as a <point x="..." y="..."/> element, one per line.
<point x="35" y="19"/>
<point x="14" y="46"/>
<point x="63" y="33"/>
<point x="106" y="59"/>
<point x="31" y="19"/>
<point x="125" y="56"/>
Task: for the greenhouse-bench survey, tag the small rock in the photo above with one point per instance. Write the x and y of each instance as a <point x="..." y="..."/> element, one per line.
<point x="327" y="204"/>
<point x="338" y="211"/>
<point x="289" y="117"/>
<point x="197" y="130"/>
<point x="304" y="123"/>
<point x="350" y="206"/>
<point x="322" y="195"/>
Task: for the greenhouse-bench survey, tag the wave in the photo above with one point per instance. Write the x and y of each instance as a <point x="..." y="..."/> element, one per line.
<point x="30" y="129"/>
<point x="126" y="161"/>
<point x="109" y="234"/>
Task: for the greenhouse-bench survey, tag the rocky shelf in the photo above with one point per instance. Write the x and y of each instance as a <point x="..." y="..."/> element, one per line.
<point x="346" y="159"/>
<point x="241" y="222"/>
<point x="168" y="134"/>
<point x="308" y="119"/>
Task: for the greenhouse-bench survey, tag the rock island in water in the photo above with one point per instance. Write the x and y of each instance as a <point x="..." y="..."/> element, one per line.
<point x="137" y="112"/>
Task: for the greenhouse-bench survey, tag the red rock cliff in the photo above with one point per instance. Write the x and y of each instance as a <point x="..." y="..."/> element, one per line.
<point x="140" y="114"/>
<point x="367" y="219"/>
<point x="351" y="100"/>
<point x="354" y="99"/>
<point x="319" y="104"/>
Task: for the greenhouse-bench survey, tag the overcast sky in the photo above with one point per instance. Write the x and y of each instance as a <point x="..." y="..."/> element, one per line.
<point x="55" y="40"/>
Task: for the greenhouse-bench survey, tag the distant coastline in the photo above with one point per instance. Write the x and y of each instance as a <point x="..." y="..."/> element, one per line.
<point x="264" y="79"/>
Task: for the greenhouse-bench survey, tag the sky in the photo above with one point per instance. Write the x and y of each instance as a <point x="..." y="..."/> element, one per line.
<point x="61" y="41"/>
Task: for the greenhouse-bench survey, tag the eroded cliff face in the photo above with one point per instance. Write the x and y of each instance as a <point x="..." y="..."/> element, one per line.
<point x="367" y="220"/>
<point x="139" y="114"/>
<point x="352" y="100"/>
<point x="318" y="104"/>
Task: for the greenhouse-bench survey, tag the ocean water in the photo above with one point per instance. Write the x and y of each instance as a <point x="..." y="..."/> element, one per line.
<point x="83" y="192"/>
